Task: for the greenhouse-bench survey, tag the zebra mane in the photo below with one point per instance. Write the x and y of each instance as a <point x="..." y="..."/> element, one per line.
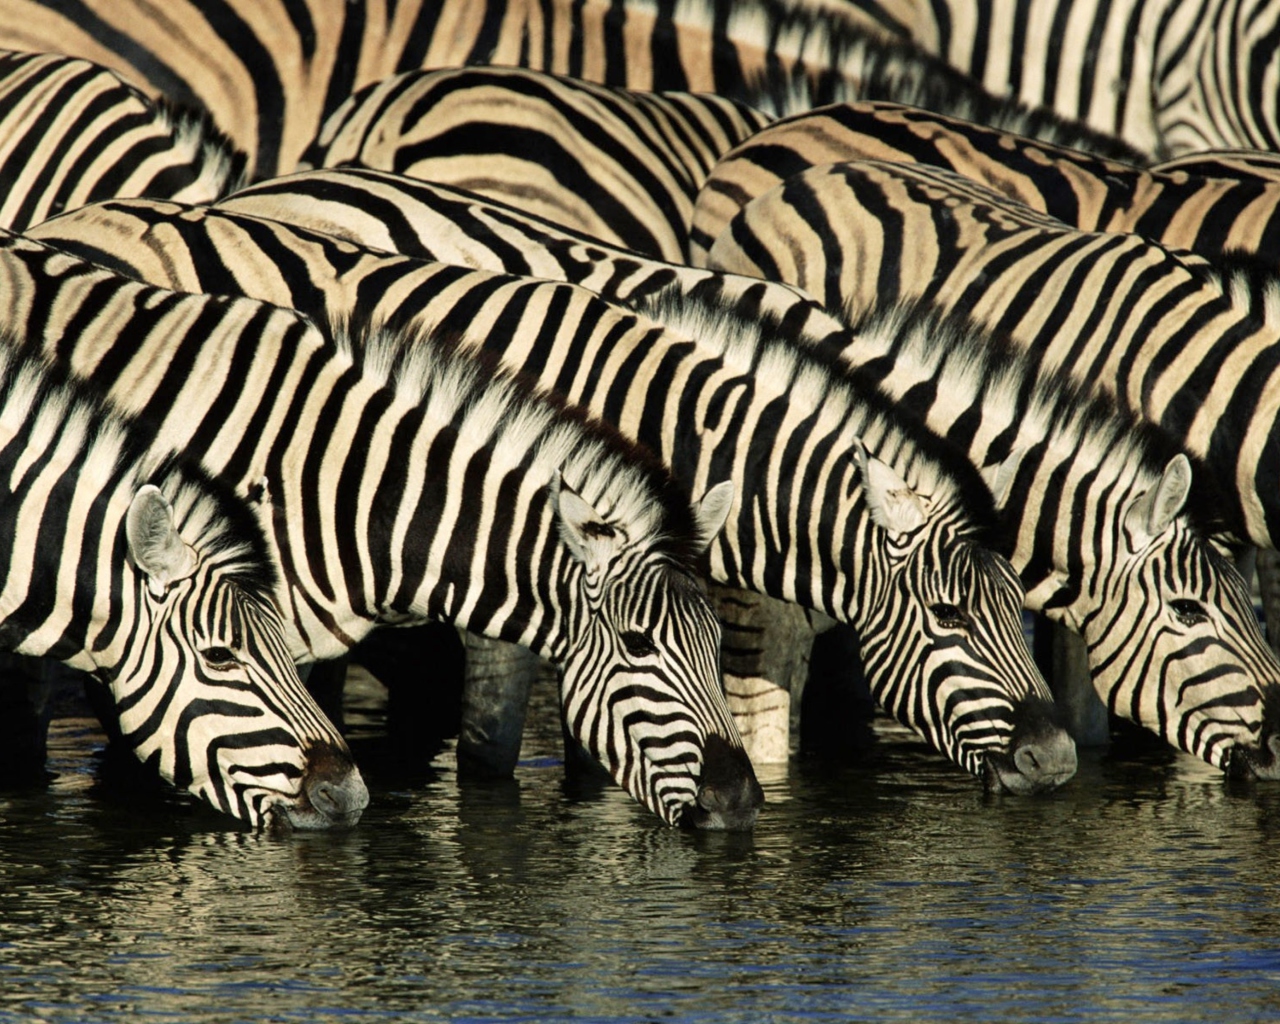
<point x="885" y="69"/>
<point x="491" y="404"/>
<point x="219" y="166"/>
<point x="986" y="369"/>
<point x="1249" y="281"/>
<point x="208" y="513"/>
<point x="930" y="465"/>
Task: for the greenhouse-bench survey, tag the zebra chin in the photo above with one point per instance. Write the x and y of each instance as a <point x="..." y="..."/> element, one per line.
<point x="332" y="793"/>
<point x="729" y="795"/>
<point x="1041" y="755"/>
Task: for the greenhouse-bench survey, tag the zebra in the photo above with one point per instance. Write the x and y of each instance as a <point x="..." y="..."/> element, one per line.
<point x="1185" y="344"/>
<point x="859" y="515"/>
<point x="125" y="559"/>
<point x="1194" y="328"/>
<point x="623" y="165"/>
<point x="620" y="165"/>
<point x="1065" y="576"/>
<point x="270" y="72"/>
<point x="403" y="486"/>
<point x="72" y="132"/>
<point x="1167" y="77"/>
<point x="1197" y="211"/>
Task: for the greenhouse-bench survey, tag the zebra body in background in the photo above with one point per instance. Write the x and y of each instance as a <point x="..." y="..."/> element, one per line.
<point x="1208" y="215"/>
<point x="1179" y="343"/>
<point x="1167" y="76"/>
<point x="121" y="559"/>
<point x="856" y="515"/>
<point x="624" y="166"/>
<point x="1091" y="444"/>
<point x="72" y="133"/>
<point x="410" y="485"/>
<point x="269" y="72"/>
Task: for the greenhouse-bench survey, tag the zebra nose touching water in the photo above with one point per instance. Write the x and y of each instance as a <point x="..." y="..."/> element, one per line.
<point x="403" y="483"/>
<point x="126" y="561"/>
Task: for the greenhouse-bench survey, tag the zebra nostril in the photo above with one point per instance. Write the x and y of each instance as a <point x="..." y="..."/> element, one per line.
<point x="334" y="787"/>
<point x="729" y="797"/>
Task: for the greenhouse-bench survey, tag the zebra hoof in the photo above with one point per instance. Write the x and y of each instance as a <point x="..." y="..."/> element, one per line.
<point x="729" y="795"/>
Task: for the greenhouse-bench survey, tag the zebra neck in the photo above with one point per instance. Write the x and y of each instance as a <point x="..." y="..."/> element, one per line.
<point x="63" y="506"/>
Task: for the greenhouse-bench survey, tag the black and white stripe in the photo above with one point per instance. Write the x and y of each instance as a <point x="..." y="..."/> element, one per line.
<point x="1167" y="76"/>
<point x="1210" y="206"/>
<point x="858" y="514"/>
<point x="120" y="559"/>
<point x="624" y="166"/>
<point x="836" y="229"/>
<point x="447" y="224"/>
<point x="270" y="72"/>
<point x="416" y="485"/>
<point x="72" y="132"/>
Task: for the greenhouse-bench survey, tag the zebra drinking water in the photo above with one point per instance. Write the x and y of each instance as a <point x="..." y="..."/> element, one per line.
<point x="856" y="514"/>
<point x="125" y="560"/>
<point x="402" y="485"/>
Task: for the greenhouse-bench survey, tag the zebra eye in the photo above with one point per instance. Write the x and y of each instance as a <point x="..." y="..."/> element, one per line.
<point x="220" y="657"/>
<point x="638" y="644"/>
<point x="1189" y="613"/>
<point x="949" y="616"/>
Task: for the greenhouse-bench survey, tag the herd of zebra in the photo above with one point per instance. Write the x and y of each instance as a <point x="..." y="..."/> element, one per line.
<point x="655" y="338"/>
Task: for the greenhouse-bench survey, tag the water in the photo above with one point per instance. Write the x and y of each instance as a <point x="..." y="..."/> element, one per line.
<point x="1149" y="889"/>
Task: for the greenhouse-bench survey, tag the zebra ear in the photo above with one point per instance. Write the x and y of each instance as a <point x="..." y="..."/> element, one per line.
<point x="582" y="528"/>
<point x="713" y="511"/>
<point x="894" y="505"/>
<point x="1152" y="513"/>
<point x="154" y="544"/>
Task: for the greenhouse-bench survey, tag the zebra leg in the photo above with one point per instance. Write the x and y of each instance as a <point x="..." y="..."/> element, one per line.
<point x="836" y="708"/>
<point x="1268" y="568"/>
<point x="765" y="657"/>
<point x="495" y="700"/>
<point x="1064" y="660"/>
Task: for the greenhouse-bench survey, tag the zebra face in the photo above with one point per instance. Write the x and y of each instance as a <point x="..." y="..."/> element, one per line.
<point x="207" y="691"/>
<point x="955" y="666"/>
<point x="1174" y="645"/>
<point x="943" y="648"/>
<point x="640" y="678"/>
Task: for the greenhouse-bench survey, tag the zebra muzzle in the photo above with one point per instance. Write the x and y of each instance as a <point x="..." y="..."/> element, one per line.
<point x="729" y="795"/>
<point x="334" y="793"/>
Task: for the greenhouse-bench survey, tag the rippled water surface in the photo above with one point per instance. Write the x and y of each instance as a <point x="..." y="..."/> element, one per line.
<point x="1149" y="889"/>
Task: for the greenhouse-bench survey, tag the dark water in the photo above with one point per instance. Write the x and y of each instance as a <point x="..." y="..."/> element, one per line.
<point x="1148" y="890"/>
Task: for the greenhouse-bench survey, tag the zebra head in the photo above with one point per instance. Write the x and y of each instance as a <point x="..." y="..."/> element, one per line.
<point x="641" y="684"/>
<point x="943" y="648"/>
<point x="1173" y="639"/>
<point x="206" y="690"/>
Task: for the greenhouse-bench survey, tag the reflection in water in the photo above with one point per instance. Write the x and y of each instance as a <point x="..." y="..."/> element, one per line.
<point x="1145" y="890"/>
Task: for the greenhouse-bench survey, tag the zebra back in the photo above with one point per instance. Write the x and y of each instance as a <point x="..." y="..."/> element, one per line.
<point x="710" y="397"/>
<point x="1191" y="209"/>
<point x="270" y="72"/>
<point x="1174" y="341"/>
<point x="120" y="558"/>
<point x="621" y="165"/>
<point x="1167" y="77"/>
<point x="73" y="133"/>
<point x="414" y="483"/>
